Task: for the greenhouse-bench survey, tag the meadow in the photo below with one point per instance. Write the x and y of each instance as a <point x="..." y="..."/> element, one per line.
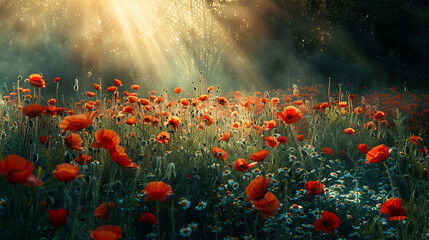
<point x="306" y="162"/>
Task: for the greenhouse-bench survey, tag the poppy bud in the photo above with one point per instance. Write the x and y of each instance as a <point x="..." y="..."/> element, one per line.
<point x="58" y="217"/>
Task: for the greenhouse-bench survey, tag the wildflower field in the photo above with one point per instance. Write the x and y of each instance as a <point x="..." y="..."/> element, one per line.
<point x="301" y="163"/>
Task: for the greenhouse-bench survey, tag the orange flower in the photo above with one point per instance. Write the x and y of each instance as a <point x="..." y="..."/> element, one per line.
<point x="241" y="165"/>
<point x="148" y="218"/>
<point x="111" y="89"/>
<point x="135" y="87"/>
<point x="314" y="188"/>
<point x="328" y="223"/>
<point x="377" y="154"/>
<point x="222" y="101"/>
<point x="82" y="159"/>
<point x="97" y="86"/>
<point x="257" y="188"/>
<point x="163" y="137"/>
<point x="300" y="137"/>
<point x="102" y="210"/>
<point x="177" y="90"/>
<point x="393" y="208"/>
<point x="416" y="140"/>
<point x="268" y="206"/>
<point x="131" y="121"/>
<point x="324" y="105"/>
<point x="90" y="94"/>
<point x="36" y="80"/>
<point x="219" y="153"/>
<point x="15" y="169"/>
<point x="184" y="101"/>
<point x="349" y="131"/>
<point x="77" y="122"/>
<point x="208" y="120"/>
<point x="118" y="155"/>
<point x="271" y="141"/>
<point x="259" y="156"/>
<point x="174" y="121"/>
<point x="225" y="136"/>
<point x="52" y="101"/>
<point x="107" y="232"/>
<point x="128" y="109"/>
<point x="157" y="191"/>
<point x="203" y="97"/>
<point x="362" y="148"/>
<point x="57" y="79"/>
<point x="44" y="139"/>
<point x="117" y="82"/>
<point x="32" y="110"/>
<point x="66" y="172"/>
<point x="58" y="217"/>
<point x="74" y="141"/>
<point x="290" y="115"/>
<point x="282" y="140"/>
<point x="328" y="151"/>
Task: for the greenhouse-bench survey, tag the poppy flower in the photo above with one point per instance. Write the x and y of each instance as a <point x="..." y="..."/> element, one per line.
<point x="157" y="191"/>
<point x="58" y="217"/>
<point x="211" y="88"/>
<point x="118" y="155"/>
<point x="132" y="99"/>
<point x="44" y="139"/>
<point x="74" y="142"/>
<point x="32" y="110"/>
<point x="15" y="169"/>
<point x="328" y="151"/>
<point x="349" y="130"/>
<point x="111" y="89"/>
<point x="225" y="136"/>
<point x="90" y="94"/>
<point x="242" y="166"/>
<point x="257" y="188"/>
<point x="66" y="172"/>
<point x="163" y="137"/>
<point x="203" y="97"/>
<point x="177" y="90"/>
<point x="131" y="121"/>
<point x="36" y="80"/>
<point x="77" y="122"/>
<point x="52" y="101"/>
<point x="271" y="141"/>
<point x="174" y="121"/>
<point x="290" y="115"/>
<point x="97" y="86"/>
<point x="377" y="154"/>
<point x="379" y="116"/>
<point x="102" y="210"/>
<point x="362" y="148"/>
<point x="135" y="87"/>
<point x="148" y="218"/>
<point x="324" y="105"/>
<point x="416" y="140"/>
<point x="184" y="101"/>
<point x="222" y="101"/>
<point x="57" y="79"/>
<point x="300" y="137"/>
<point x="267" y="206"/>
<point x="393" y="208"/>
<point x="107" y="232"/>
<point x="82" y="159"/>
<point x="208" y="120"/>
<point x="219" y="153"/>
<point x="328" y="223"/>
<point x="282" y="140"/>
<point x="314" y="188"/>
<point x="117" y="82"/>
<point x="259" y="155"/>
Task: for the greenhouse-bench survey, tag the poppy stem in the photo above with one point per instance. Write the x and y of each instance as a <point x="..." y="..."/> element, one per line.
<point x="297" y="146"/>
<point x="111" y="182"/>
<point x="390" y="178"/>
<point x="157" y="225"/>
<point x="315" y="128"/>
<point x="172" y="221"/>
<point x="320" y="174"/>
<point x="274" y="212"/>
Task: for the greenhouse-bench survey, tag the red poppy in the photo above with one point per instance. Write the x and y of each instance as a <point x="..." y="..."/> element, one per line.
<point x="177" y="90"/>
<point x="77" y="122"/>
<point x="15" y="169"/>
<point x="148" y="218"/>
<point x="118" y="155"/>
<point x="58" y="217"/>
<point x="257" y="188"/>
<point x="328" y="151"/>
<point x="66" y="172"/>
<point x="282" y="140"/>
<point x="82" y="159"/>
<point x="36" y="80"/>
<point x="328" y="223"/>
<point x="211" y="88"/>
<point x="259" y="155"/>
<point x="128" y="109"/>
<point x="267" y="206"/>
<point x="379" y="116"/>
<point x="131" y="121"/>
<point x="203" y="97"/>
<point x="242" y="166"/>
<point x="219" y="153"/>
<point x="90" y="94"/>
<point x="290" y="115"/>
<point x="174" y="121"/>
<point x="32" y="110"/>
<point x="314" y="188"/>
<point x="324" y="105"/>
<point x="349" y="130"/>
<point x="157" y="191"/>
<point x="97" y="86"/>
<point x="377" y="154"/>
<point x="57" y="79"/>
<point x="52" y="101"/>
<point x="393" y="208"/>
<point x="362" y="148"/>
<point x="107" y="232"/>
<point x="111" y="89"/>
<point x="416" y="140"/>
<point x="225" y="136"/>
<point x="132" y="99"/>
<point x="135" y="87"/>
<point x="117" y="82"/>
<point x="163" y="137"/>
<point x="208" y="120"/>
<point x="300" y="137"/>
<point x="74" y="141"/>
<point x="222" y="101"/>
<point x="106" y="139"/>
<point x="44" y="139"/>
<point x="102" y="210"/>
<point x="271" y="141"/>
